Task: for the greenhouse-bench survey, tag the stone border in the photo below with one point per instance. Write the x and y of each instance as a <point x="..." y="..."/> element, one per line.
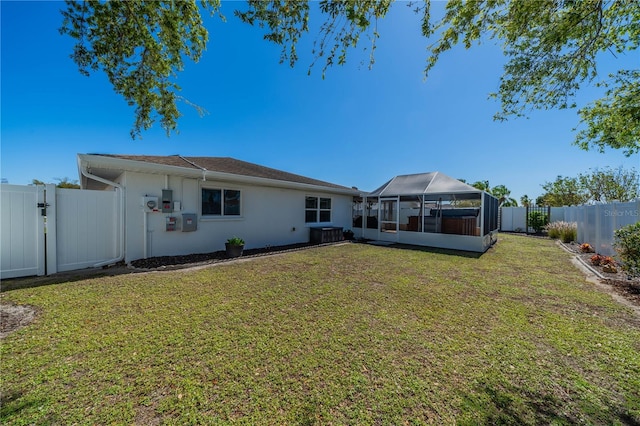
<point x="595" y="277"/>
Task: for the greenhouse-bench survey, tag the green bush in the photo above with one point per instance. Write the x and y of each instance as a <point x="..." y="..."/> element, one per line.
<point x="538" y="220"/>
<point x="627" y="244"/>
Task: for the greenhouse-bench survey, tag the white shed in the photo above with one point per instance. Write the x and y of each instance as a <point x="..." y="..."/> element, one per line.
<point x="428" y="209"/>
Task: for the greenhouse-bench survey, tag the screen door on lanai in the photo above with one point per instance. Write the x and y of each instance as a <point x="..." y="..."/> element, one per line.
<point x="389" y="219"/>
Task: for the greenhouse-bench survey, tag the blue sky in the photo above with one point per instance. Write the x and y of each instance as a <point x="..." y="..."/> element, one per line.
<point x="357" y="127"/>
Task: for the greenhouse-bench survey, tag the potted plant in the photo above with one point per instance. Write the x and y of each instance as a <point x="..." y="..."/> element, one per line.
<point x="234" y="247"/>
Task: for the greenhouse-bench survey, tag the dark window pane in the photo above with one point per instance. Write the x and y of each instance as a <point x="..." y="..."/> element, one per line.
<point x="311" y="203"/>
<point x="231" y="202"/>
<point x="311" y="216"/>
<point x="325" y="203"/>
<point x="325" y="216"/>
<point x="211" y="202"/>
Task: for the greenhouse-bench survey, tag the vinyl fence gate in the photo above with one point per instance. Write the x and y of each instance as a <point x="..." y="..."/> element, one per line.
<point x="44" y="229"/>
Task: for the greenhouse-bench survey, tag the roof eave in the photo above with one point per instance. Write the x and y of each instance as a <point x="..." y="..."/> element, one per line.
<point x="140" y="166"/>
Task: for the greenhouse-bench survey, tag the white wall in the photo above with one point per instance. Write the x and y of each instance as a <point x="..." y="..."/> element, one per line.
<point x="269" y="216"/>
<point x="513" y="219"/>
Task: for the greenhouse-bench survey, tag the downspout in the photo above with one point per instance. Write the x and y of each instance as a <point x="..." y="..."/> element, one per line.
<point x="120" y="189"/>
<point x="204" y="171"/>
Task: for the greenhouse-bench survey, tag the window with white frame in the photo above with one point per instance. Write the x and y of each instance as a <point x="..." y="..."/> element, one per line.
<point x="317" y="210"/>
<point x="220" y="202"/>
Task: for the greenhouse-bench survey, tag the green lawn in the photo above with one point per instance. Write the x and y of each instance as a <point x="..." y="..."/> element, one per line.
<point x="350" y="334"/>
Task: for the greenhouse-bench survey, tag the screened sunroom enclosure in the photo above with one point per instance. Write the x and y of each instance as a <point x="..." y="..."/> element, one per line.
<point x="428" y="209"/>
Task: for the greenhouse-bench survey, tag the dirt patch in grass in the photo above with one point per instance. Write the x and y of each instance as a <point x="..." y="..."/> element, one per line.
<point x="14" y="317"/>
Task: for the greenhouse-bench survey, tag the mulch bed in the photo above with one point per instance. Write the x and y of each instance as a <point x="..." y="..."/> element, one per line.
<point x="620" y="282"/>
<point x="189" y="260"/>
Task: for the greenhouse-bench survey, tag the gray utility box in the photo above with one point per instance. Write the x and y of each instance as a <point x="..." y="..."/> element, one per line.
<point x="326" y="234"/>
<point x="189" y="222"/>
<point x="167" y="201"/>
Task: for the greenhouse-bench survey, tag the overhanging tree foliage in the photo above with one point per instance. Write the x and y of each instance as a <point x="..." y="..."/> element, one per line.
<point x="605" y="185"/>
<point x="552" y="47"/>
<point x="141" y="46"/>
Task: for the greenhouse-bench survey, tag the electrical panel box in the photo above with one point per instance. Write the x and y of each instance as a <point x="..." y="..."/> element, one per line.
<point x="150" y="204"/>
<point x="167" y="201"/>
<point x="171" y="223"/>
<point x="189" y="222"/>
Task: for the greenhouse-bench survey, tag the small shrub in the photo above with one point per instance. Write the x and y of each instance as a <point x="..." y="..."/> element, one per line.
<point x="552" y="232"/>
<point x="596" y="259"/>
<point x="608" y="260"/>
<point x="586" y="248"/>
<point x="565" y="231"/>
<point x="627" y="245"/>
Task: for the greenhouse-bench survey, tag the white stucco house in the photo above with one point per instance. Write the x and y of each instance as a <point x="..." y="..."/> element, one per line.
<point x="173" y="205"/>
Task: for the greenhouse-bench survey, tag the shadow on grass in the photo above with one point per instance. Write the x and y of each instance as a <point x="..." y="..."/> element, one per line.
<point x="63" y="277"/>
<point x="12" y="403"/>
<point x="158" y="263"/>
<point x="499" y="404"/>
<point x="448" y="252"/>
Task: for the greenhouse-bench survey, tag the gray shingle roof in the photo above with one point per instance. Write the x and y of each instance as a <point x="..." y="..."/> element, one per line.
<point x="227" y="165"/>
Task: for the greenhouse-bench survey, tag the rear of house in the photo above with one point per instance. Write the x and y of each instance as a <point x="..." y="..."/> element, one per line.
<point x="174" y="205"/>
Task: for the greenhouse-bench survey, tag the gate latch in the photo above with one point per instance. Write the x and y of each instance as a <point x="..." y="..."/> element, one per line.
<point x="43" y="206"/>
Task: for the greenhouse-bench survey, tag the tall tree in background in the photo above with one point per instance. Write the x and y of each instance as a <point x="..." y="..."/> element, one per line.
<point x="564" y="191"/>
<point x="552" y="49"/>
<point x="482" y="185"/>
<point x="62" y="183"/>
<point x="608" y="184"/>
<point x="503" y="194"/>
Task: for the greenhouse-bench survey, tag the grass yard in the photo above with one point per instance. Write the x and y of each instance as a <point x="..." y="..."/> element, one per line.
<point x="350" y="334"/>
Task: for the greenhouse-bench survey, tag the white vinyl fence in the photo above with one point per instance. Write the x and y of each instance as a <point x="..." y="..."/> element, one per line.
<point x="596" y="223"/>
<point x="47" y="229"/>
<point x="21" y="231"/>
<point x="514" y="219"/>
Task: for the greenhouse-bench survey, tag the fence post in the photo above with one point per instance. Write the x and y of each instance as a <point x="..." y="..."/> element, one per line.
<point x="51" y="238"/>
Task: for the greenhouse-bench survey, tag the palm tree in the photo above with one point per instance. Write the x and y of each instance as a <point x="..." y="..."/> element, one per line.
<point x="502" y="193"/>
<point x="482" y="185"/>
